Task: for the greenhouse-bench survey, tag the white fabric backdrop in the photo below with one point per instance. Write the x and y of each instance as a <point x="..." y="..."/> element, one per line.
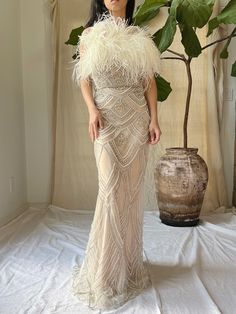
<point x="75" y="173"/>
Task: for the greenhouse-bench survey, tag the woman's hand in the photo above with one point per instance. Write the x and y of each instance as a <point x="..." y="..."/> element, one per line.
<point x="95" y="122"/>
<point x="154" y="132"/>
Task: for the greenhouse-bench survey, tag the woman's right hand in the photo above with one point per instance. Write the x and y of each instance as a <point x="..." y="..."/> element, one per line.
<point x="95" y="122"/>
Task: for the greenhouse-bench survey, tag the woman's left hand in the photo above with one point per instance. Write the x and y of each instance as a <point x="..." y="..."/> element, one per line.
<point x="154" y="133"/>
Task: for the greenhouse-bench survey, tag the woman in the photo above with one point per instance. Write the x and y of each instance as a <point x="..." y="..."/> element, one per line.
<point x="115" y="70"/>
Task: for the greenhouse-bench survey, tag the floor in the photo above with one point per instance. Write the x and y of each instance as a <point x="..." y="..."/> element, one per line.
<point x="193" y="269"/>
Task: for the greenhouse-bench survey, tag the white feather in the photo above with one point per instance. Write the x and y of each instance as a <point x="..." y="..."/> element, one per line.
<point x="112" y="42"/>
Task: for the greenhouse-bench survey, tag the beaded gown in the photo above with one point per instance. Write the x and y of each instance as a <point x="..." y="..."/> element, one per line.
<point x="119" y="60"/>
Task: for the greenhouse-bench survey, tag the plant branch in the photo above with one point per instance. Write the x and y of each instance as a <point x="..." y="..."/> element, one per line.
<point x="177" y="54"/>
<point x="173" y="58"/>
<point x="189" y="91"/>
<point x="220" y="40"/>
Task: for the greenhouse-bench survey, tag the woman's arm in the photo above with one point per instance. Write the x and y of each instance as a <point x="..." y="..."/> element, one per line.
<point x="95" y="118"/>
<point x="151" y="97"/>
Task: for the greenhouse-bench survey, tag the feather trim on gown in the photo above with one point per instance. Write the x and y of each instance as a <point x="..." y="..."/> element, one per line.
<point x="110" y="43"/>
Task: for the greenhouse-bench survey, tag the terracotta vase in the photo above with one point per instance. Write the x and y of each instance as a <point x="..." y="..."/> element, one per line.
<point x="181" y="178"/>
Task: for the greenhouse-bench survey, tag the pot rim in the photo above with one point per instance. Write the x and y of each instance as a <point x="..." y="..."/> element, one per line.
<point x="182" y="149"/>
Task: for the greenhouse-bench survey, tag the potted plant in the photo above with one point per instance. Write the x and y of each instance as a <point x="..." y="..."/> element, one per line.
<point x="181" y="175"/>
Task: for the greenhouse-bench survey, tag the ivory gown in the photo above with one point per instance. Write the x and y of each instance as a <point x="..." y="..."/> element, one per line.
<point x="113" y="270"/>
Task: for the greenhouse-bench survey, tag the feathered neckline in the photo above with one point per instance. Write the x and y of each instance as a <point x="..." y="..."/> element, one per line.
<point x="119" y="23"/>
<point x="107" y="15"/>
<point x="110" y="42"/>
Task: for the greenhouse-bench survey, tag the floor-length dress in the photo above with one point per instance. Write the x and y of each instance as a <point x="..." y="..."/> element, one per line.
<point x="113" y="270"/>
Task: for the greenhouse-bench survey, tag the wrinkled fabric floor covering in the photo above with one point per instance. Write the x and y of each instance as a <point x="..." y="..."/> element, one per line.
<point x="193" y="269"/>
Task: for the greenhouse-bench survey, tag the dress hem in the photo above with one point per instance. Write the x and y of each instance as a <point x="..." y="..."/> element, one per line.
<point x="113" y="301"/>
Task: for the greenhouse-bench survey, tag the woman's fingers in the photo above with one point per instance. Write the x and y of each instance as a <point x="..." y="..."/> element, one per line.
<point x="95" y="123"/>
<point x="100" y="121"/>
<point x="93" y="130"/>
<point x="154" y="136"/>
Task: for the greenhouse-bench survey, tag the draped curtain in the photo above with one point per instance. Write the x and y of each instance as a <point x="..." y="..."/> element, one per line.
<point x="75" y="183"/>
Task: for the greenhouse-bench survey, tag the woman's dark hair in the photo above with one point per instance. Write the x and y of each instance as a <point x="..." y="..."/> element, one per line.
<point x="98" y="7"/>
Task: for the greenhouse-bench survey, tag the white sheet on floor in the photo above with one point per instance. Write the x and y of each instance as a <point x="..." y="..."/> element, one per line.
<point x="193" y="269"/>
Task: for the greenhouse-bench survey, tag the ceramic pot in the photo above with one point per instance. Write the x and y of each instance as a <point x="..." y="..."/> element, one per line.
<point x="181" y="178"/>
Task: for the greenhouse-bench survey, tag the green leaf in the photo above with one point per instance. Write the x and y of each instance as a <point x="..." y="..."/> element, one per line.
<point x="195" y="13"/>
<point x="213" y="23"/>
<point x="226" y="16"/>
<point x="224" y="53"/>
<point x="73" y="39"/>
<point x="165" y="36"/>
<point x="75" y="56"/>
<point x="148" y="10"/>
<point x="163" y="87"/>
<point x="233" y="71"/>
<point x="157" y="37"/>
<point x="190" y="41"/>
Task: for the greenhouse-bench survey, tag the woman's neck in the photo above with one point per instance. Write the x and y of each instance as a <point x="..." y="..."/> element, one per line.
<point x="121" y="13"/>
